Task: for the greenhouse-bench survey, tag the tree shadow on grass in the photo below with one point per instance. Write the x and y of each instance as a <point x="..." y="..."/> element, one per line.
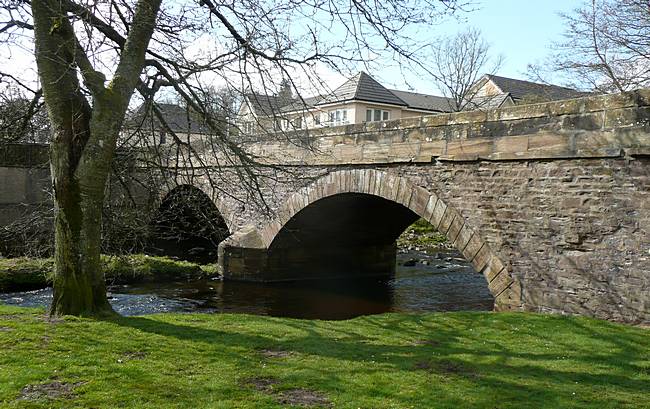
<point x="499" y="364"/>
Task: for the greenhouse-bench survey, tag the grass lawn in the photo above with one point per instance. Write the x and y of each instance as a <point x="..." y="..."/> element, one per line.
<point x="434" y="360"/>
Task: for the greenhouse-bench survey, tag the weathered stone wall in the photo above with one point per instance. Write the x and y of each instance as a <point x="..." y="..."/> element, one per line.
<point x="24" y="180"/>
<point x="25" y="202"/>
<point x="575" y="233"/>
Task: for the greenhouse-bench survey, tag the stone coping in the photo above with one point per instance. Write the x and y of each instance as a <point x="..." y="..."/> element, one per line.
<point x="577" y="106"/>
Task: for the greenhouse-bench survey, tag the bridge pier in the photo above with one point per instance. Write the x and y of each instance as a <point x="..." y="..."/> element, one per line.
<point x="301" y="263"/>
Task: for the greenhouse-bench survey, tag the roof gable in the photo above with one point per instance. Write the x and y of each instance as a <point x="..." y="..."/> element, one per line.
<point x="521" y="89"/>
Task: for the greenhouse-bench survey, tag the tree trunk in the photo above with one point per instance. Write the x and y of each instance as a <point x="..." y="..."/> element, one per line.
<point x="79" y="286"/>
<point x="83" y="145"/>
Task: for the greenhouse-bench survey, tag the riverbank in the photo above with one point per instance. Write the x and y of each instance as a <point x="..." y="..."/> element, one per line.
<point x="24" y="274"/>
<point x="421" y="236"/>
<point x="435" y="360"/>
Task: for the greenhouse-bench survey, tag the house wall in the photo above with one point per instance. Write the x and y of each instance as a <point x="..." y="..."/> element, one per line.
<point x="395" y="112"/>
<point x="488" y="89"/>
<point x="244" y="115"/>
<point x="351" y="107"/>
<point x="356" y="114"/>
<point x="508" y="103"/>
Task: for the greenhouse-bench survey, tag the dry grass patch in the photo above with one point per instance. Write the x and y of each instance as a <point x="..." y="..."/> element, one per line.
<point x="52" y="390"/>
<point x="304" y="398"/>
<point x="275" y="353"/>
<point x="261" y="384"/>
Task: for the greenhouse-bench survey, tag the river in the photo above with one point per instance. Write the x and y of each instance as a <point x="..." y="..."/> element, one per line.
<point x="441" y="281"/>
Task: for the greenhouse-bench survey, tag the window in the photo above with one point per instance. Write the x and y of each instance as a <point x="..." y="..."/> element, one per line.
<point x="317" y="118"/>
<point x="163" y="137"/>
<point x="297" y="123"/>
<point x="338" y="117"/>
<point x="249" y="127"/>
<point x="377" y="115"/>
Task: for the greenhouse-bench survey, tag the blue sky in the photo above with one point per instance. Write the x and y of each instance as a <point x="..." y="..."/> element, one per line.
<point x="520" y="30"/>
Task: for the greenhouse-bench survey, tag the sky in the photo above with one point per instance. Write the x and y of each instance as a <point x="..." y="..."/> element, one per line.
<point x="522" y="31"/>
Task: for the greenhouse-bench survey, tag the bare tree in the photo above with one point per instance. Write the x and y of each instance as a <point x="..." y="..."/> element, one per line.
<point x="458" y="63"/>
<point x="118" y="46"/>
<point x="22" y="119"/>
<point x="606" y="47"/>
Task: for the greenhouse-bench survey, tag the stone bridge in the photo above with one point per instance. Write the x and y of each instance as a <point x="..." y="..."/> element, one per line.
<point x="550" y="202"/>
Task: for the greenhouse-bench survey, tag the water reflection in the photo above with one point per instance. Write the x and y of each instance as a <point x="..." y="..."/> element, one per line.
<point x="441" y="282"/>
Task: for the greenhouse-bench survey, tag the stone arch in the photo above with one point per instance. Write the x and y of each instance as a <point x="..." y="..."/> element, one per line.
<point x="188" y="218"/>
<point x="428" y="205"/>
<point x="204" y="187"/>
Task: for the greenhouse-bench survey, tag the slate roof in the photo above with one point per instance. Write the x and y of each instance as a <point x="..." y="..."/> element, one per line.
<point x="362" y="87"/>
<point x="424" y="101"/>
<point x="520" y="89"/>
<point x="299" y="105"/>
<point x="178" y="118"/>
<point x="268" y="105"/>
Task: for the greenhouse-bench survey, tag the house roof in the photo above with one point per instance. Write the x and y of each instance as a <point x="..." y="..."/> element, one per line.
<point x="424" y="101"/>
<point x="487" y="101"/>
<point x="268" y="105"/>
<point x="520" y="89"/>
<point x="300" y="104"/>
<point x="178" y="118"/>
<point x="362" y="87"/>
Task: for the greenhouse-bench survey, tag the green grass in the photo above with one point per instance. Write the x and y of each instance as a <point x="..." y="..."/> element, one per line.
<point x="29" y="273"/>
<point x="421" y="234"/>
<point x="436" y="360"/>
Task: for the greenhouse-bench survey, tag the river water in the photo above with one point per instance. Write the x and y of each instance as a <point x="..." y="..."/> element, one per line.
<point x="441" y="281"/>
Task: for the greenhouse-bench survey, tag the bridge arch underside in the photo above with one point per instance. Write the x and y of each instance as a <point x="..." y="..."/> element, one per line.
<point x="187" y="225"/>
<point x="346" y="223"/>
<point x="344" y="235"/>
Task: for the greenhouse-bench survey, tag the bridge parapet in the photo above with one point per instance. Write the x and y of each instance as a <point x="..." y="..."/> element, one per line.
<point x="591" y="127"/>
